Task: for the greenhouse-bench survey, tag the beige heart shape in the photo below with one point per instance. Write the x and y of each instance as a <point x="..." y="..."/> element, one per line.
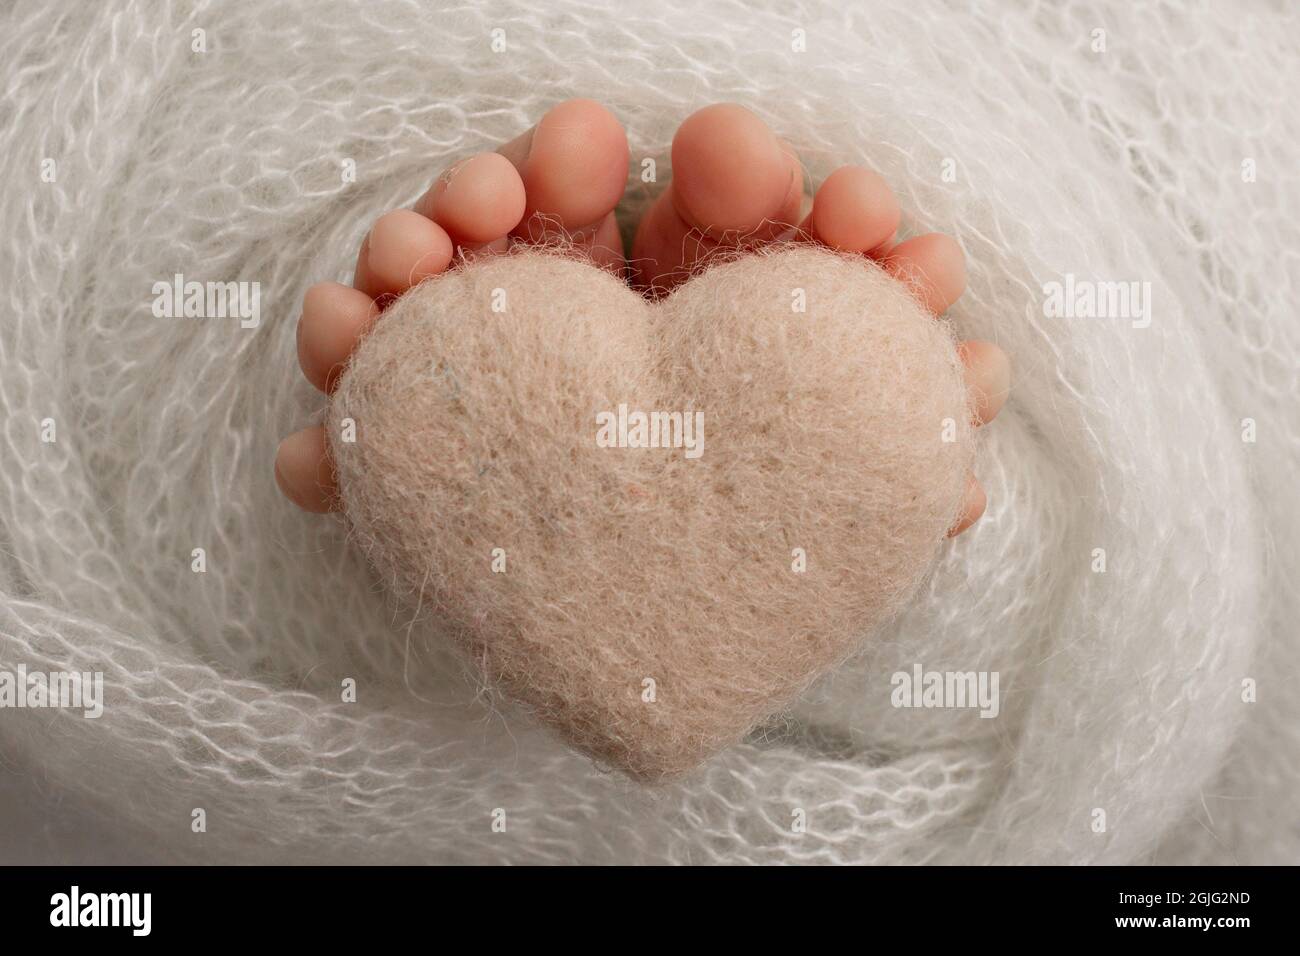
<point x="653" y="604"/>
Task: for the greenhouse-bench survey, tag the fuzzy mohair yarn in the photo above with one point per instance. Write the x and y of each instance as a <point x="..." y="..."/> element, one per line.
<point x="653" y="594"/>
<point x="1135" y="570"/>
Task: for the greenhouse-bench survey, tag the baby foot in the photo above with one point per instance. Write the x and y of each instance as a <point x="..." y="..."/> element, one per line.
<point x="737" y="185"/>
<point x="559" y="180"/>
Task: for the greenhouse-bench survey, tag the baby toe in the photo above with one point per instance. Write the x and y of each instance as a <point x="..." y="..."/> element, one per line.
<point x="735" y="183"/>
<point x="334" y="317"/>
<point x="974" y="502"/>
<point x="477" y="201"/>
<point x="854" y="211"/>
<point x="573" y="165"/>
<point x="732" y="174"/>
<point x="403" y="248"/>
<point x="304" y="472"/>
<point x="932" y="266"/>
<point x="988" y="378"/>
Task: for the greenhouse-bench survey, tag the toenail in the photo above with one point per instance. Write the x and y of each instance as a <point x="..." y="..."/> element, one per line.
<point x="452" y="170"/>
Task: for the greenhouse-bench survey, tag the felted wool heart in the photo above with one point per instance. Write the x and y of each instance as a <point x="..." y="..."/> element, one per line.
<point x="654" y="524"/>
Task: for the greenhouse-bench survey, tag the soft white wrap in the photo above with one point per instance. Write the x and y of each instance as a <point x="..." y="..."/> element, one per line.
<point x="1121" y="691"/>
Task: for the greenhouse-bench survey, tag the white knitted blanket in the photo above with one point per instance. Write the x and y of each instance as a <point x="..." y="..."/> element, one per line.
<point x="1133" y="584"/>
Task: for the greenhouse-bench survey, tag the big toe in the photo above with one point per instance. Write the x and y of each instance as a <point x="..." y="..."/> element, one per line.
<point x="735" y="183"/>
<point x="732" y="174"/>
<point x="573" y="164"/>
